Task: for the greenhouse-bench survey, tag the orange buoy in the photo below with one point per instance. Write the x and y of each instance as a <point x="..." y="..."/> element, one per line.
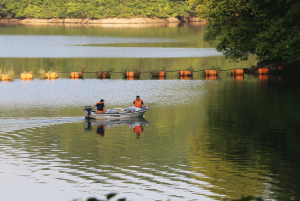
<point x="130" y="73"/>
<point x="52" y="75"/>
<point x="161" y="74"/>
<point x="4" y="77"/>
<point x="263" y="71"/>
<point x="237" y="71"/>
<point x="103" y="75"/>
<point x="185" y="73"/>
<point x="130" y="78"/>
<point x="26" y="76"/>
<point x="211" y="72"/>
<point x="76" y="75"/>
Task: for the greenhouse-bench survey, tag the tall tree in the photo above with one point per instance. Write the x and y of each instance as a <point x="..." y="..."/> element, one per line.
<point x="268" y="28"/>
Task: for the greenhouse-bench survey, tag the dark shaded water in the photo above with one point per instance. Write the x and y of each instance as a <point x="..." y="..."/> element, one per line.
<point x="203" y="139"/>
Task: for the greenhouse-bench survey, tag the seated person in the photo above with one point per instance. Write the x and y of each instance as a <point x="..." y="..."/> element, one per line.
<point x="138" y="102"/>
<point x="100" y="106"/>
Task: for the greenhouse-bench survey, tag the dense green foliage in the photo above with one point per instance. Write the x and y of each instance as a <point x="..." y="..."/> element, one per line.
<point x="92" y="8"/>
<point x="269" y="29"/>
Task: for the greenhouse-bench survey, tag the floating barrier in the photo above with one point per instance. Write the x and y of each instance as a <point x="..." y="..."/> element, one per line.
<point x="263" y="71"/>
<point x="26" y="76"/>
<point x="237" y="72"/>
<point x="158" y="74"/>
<point x="103" y="74"/>
<point x="131" y="74"/>
<point x="51" y="76"/>
<point x="185" y="73"/>
<point x="211" y="72"/>
<point x="76" y="75"/>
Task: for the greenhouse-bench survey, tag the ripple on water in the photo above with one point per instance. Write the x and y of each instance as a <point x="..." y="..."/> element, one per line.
<point x="150" y="182"/>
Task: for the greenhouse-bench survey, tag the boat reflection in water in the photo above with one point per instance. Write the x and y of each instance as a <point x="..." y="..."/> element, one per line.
<point x="137" y="124"/>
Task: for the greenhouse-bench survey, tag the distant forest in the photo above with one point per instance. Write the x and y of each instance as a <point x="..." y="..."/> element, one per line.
<point x="94" y="9"/>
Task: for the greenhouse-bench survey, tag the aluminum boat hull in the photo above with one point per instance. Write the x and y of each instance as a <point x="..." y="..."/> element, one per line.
<point x="107" y="116"/>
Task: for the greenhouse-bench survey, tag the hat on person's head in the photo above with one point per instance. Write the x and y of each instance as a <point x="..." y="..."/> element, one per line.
<point x="101" y="100"/>
<point x="137" y="96"/>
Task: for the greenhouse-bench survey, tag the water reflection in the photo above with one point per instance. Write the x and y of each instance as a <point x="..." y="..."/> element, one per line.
<point x="212" y="77"/>
<point x="136" y="124"/>
<point x="237" y="77"/>
<point x="185" y="77"/>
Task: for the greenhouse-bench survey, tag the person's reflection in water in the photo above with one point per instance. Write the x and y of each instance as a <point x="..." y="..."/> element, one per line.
<point x="101" y="130"/>
<point x="138" y="128"/>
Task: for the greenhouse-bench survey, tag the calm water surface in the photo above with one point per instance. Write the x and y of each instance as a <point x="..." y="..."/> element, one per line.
<point x="202" y="139"/>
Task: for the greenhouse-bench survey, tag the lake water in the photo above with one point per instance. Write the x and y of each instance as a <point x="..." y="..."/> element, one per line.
<point x="217" y="138"/>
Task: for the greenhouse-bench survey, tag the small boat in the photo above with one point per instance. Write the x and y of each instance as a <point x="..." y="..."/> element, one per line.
<point x="92" y="114"/>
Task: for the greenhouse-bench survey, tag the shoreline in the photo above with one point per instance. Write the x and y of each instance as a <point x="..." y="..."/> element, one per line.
<point x="89" y="21"/>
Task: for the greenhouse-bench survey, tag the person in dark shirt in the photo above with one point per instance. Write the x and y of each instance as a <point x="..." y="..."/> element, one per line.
<point x="100" y="106"/>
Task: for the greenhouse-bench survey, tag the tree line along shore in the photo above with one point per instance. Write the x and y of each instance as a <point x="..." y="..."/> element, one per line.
<point x="101" y="21"/>
<point x="267" y="29"/>
<point x="103" y="11"/>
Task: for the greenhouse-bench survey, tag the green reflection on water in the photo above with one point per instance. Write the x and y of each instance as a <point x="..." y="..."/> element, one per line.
<point x="249" y="143"/>
<point x="187" y="36"/>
